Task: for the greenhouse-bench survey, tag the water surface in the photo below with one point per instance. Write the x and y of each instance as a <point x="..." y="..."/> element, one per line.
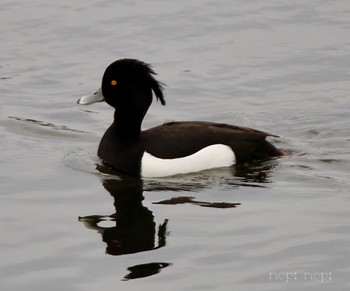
<point x="279" y="66"/>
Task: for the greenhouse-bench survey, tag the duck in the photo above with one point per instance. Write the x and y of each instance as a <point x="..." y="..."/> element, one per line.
<point x="176" y="147"/>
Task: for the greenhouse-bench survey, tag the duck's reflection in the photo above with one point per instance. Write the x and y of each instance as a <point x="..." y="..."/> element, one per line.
<point x="135" y="229"/>
<point x="144" y="270"/>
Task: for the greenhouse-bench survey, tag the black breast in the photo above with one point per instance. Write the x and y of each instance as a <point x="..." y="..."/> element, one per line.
<point x="122" y="154"/>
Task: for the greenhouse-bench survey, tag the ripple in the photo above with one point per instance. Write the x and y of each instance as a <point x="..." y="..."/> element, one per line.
<point x="83" y="160"/>
<point x="44" y="130"/>
<point x="46" y="124"/>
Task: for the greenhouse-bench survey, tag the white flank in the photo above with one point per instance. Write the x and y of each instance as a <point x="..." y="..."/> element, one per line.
<point x="214" y="156"/>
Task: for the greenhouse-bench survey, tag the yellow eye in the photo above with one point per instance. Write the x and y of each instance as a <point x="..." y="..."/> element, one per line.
<point x="114" y="82"/>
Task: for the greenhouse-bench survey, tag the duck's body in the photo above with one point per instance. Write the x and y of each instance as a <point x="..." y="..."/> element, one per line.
<point x="171" y="148"/>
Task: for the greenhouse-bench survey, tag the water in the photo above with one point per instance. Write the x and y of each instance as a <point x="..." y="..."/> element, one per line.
<point x="277" y="66"/>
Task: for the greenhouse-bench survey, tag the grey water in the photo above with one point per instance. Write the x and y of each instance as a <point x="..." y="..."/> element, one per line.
<point x="68" y="223"/>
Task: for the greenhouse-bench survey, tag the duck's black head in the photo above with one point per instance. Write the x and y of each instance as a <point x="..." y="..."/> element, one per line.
<point x="130" y="82"/>
<point x="127" y="84"/>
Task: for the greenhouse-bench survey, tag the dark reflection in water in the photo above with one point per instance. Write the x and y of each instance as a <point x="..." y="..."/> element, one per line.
<point x="145" y="270"/>
<point x="190" y="200"/>
<point x="135" y="229"/>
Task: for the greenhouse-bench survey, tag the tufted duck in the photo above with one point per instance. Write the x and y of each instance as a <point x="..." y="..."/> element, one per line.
<point x="170" y="148"/>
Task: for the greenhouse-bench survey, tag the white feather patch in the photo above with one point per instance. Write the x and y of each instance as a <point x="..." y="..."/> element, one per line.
<point x="213" y="156"/>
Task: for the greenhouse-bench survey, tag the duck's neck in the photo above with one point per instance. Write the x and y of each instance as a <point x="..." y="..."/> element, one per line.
<point x="128" y="124"/>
